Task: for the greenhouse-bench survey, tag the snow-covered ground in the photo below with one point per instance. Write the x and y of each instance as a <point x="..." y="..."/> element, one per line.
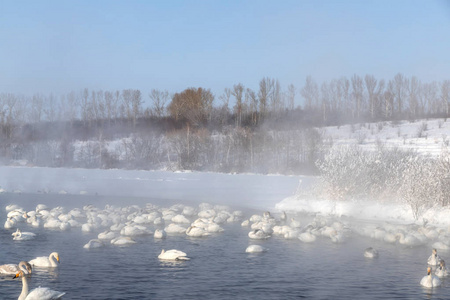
<point x="424" y="136"/>
<point x="259" y="191"/>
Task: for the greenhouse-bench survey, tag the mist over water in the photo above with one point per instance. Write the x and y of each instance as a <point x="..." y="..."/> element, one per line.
<point x="219" y="267"/>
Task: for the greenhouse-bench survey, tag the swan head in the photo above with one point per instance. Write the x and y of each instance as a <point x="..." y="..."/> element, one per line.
<point x="442" y="264"/>
<point x="17" y="233"/>
<point x="434" y="251"/>
<point x="19" y="274"/>
<point x="56" y="255"/>
<point x="429" y="270"/>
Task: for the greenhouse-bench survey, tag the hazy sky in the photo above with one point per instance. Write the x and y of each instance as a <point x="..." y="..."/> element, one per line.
<point x="60" y="46"/>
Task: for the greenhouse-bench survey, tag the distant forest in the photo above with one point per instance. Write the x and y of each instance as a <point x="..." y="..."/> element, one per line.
<point x="241" y="130"/>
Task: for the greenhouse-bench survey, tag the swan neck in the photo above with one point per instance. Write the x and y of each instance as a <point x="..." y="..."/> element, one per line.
<point x="52" y="260"/>
<point x="22" y="267"/>
<point x="24" y="293"/>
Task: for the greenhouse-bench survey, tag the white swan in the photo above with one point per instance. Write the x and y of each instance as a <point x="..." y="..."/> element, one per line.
<point x="434" y="258"/>
<point x="159" y="234"/>
<point x="23" y="236"/>
<point x="441" y="271"/>
<point x="175" y="228"/>
<point x="94" y="243"/>
<point x="370" y="253"/>
<point x="430" y="280"/>
<point x="107" y="235"/>
<point x="44" y="261"/>
<point x="255" y="249"/>
<point x="122" y="240"/>
<point x="194" y="231"/>
<point x="173" y="255"/>
<point x="258" y="234"/>
<point x="11" y="269"/>
<point x="41" y="293"/>
<point x="307" y="237"/>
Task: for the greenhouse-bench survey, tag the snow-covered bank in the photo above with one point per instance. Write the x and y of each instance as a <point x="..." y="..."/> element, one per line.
<point x="364" y="210"/>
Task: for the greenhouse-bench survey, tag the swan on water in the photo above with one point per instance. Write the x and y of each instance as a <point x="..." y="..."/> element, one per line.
<point x="255" y="249"/>
<point x="107" y="235"/>
<point x="430" y="280"/>
<point x="41" y="293"/>
<point x="441" y="271"/>
<point x="173" y="255"/>
<point x="307" y="237"/>
<point x="122" y="240"/>
<point x="434" y="258"/>
<point x="370" y="253"/>
<point x="11" y="269"/>
<point x="23" y="236"/>
<point x="44" y="261"/>
<point x="94" y="243"/>
<point x="159" y="234"/>
<point x="194" y="231"/>
<point x="258" y="234"/>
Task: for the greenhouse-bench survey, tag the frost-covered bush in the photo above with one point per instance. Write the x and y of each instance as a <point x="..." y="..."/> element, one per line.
<point x="425" y="182"/>
<point x="351" y="173"/>
<point x="420" y="181"/>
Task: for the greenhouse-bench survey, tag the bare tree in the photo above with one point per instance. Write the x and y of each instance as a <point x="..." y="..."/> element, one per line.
<point x="325" y="100"/>
<point x="252" y="101"/>
<point x="371" y="84"/>
<point x="71" y="107"/>
<point x="357" y="95"/>
<point x="413" y="96"/>
<point x="50" y="108"/>
<point x="429" y="91"/>
<point x="388" y="100"/>
<point x="276" y="99"/>
<point x="399" y="92"/>
<point x="37" y="107"/>
<point x="265" y="92"/>
<point x="310" y="92"/>
<point x="132" y="104"/>
<point x="160" y="99"/>
<point x="84" y="106"/>
<point x="237" y="92"/>
<point x="223" y="110"/>
<point x="291" y="97"/>
<point x="445" y="97"/>
<point x="344" y="91"/>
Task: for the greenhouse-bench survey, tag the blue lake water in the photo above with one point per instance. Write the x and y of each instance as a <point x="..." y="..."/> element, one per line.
<point x="219" y="267"/>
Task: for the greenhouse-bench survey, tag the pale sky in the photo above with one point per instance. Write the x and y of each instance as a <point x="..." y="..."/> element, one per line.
<point x="62" y="46"/>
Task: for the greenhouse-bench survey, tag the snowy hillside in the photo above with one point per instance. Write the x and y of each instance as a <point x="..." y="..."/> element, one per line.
<point x="425" y="136"/>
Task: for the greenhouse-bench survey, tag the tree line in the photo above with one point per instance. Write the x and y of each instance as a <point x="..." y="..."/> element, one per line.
<point x="254" y="129"/>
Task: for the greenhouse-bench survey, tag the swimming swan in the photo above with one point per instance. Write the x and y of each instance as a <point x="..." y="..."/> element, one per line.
<point x="434" y="259"/>
<point x="370" y="253"/>
<point x="94" y="243"/>
<point x="173" y="255"/>
<point x="11" y="269"/>
<point x="44" y="261"/>
<point x="430" y="280"/>
<point x="258" y="234"/>
<point x="255" y="249"/>
<point x="23" y="236"/>
<point x="41" y="293"/>
<point x="441" y="271"/>
<point x="159" y="234"/>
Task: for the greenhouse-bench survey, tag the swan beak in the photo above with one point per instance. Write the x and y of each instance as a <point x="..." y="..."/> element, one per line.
<point x="17" y="275"/>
